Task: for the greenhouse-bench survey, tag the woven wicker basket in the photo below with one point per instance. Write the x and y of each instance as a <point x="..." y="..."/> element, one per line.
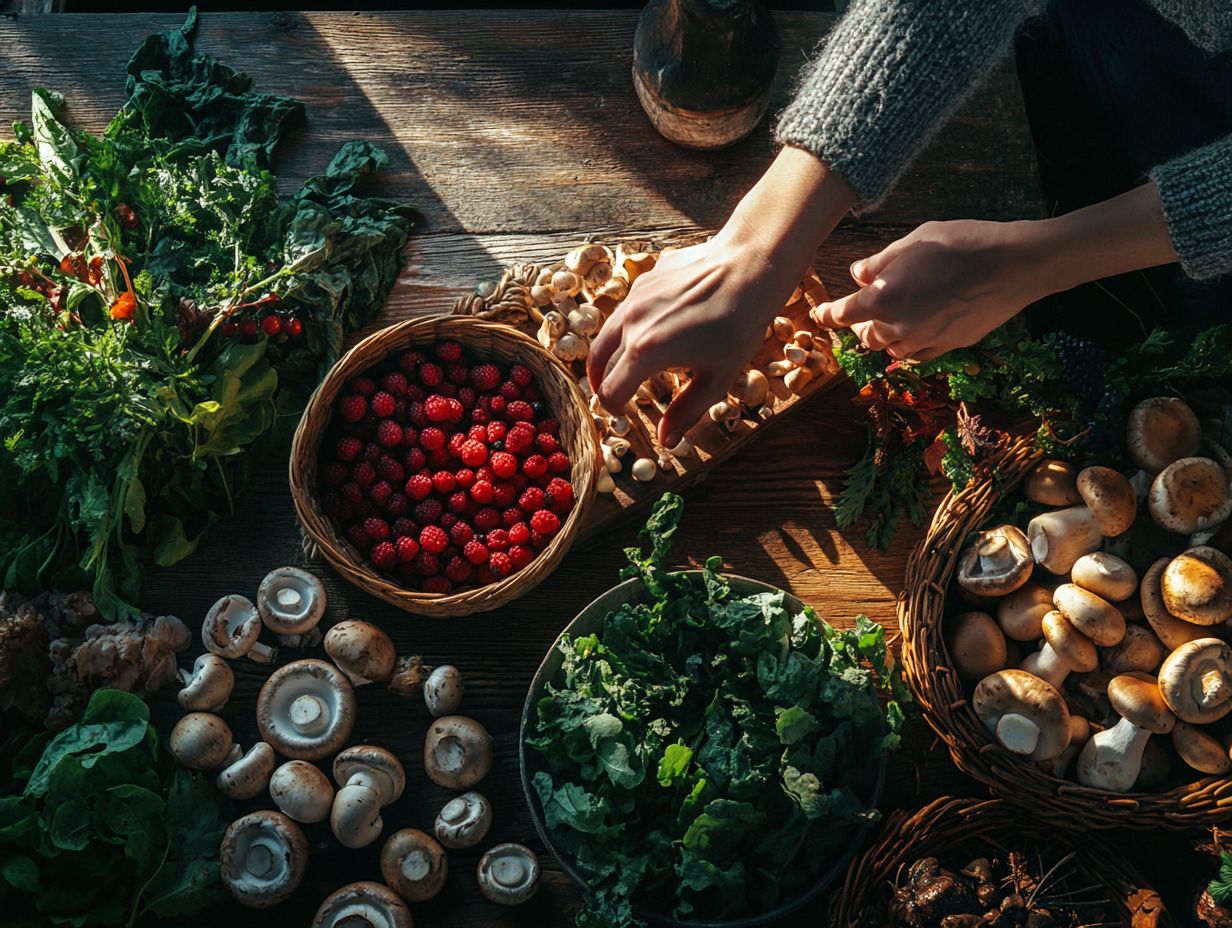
<point x="970" y="828"/>
<point x="943" y="697"/>
<point x="485" y="340"/>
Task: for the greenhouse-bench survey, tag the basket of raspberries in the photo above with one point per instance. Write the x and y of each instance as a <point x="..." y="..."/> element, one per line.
<point x="444" y="465"/>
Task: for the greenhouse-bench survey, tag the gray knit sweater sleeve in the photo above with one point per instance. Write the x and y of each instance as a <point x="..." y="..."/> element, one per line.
<point x="888" y="75"/>
<point x="1195" y="191"/>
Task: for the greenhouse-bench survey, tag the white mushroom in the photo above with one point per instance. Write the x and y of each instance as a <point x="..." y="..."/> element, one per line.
<point x="553" y="326"/>
<point x="208" y="687"/>
<point x="620" y="426"/>
<point x="571" y="347"/>
<point x="247" y="776"/>
<point x="1027" y="715"/>
<point x="683" y="449"/>
<point x="750" y="388"/>
<point x="644" y="470"/>
<point x="508" y="874"/>
<point x="1052" y="483"/>
<point x="585" y="320"/>
<point x="231" y="628"/>
<point x="263" y="856"/>
<point x="1190" y="495"/>
<point x="1196" y="681"/>
<point x="414" y="865"/>
<point x="783" y="328"/>
<point x="464" y="821"/>
<point x="1161" y="430"/>
<point x="443" y="690"/>
<point x="1059" y="537"/>
<point x="201" y="741"/>
<point x="306" y="709"/>
<point x="363" y="905"/>
<point x="1197" y="586"/>
<point x="302" y="791"/>
<point x="361" y="650"/>
<point x="996" y="563"/>
<point x="1105" y="575"/>
<point x="291" y="603"/>
<point x="1111" y="759"/>
<point x="457" y="752"/>
<point x="725" y="414"/>
<point x="605" y="483"/>
<point x="1173" y="632"/>
<point x="369" y="778"/>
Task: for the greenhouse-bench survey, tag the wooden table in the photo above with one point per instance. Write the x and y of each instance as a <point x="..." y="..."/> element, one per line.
<point x="517" y="134"/>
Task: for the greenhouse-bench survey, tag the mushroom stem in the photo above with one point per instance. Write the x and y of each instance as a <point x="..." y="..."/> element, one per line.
<point x="262" y="653"/>
<point x="1214" y="688"/>
<point x="1047" y="665"/>
<point x="1112" y="758"/>
<point x="308" y="715"/>
<point x="259" y="860"/>
<point x="1018" y="733"/>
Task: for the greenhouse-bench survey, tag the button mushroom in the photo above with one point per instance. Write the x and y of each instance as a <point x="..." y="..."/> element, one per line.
<point x="1161" y="430"/>
<point x="201" y="741"/>
<point x="1111" y="759"/>
<point x="1173" y="632"/>
<point x="208" y="687"/>
<point x="1105" y="575"/>
<point x="263" y="856"/>
<point x="644" y="470"/>
<point x="369" y="778"/>
<point x="1093" y="616"/>
<point x="457" y="752"/>
<point x="443" y="690"/>
<point x="1052" y="483"/>
<point x="975" y="644"/>
<point x="1201" y="751"/>
<point x="1061" y="536"/>
<point x="1065" y="650"/>
<point x="1021" y="613"/>
<point x="1190" y="495"/>
<point x="247" y="776"/>
<point x="291" y="603"/>
<point x="231" y="628"/>
<point x="1027" y="714"/>
<point x="1139" y="650"/>
<point x="1195" y="681"/>
<point x="508" y="874"/>
<point x="302" y="791"/>
<point x="750" y="388"/>
<point x="414" y="865"/>
<point x="363" y="905"/>
<point x="361" y="650"/>
<point x="996" y="563"/>
<point x="464" y="821"/>
<point x="1197" y="586"/>
<point x="306" y="709"/>
<point x="1110" y="497"/>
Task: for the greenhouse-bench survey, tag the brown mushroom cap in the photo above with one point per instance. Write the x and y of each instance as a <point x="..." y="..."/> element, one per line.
<point x="1061" y="536"/>
<point x="371" y="766"/>
<point x="263" y="856"/>
<point x="1095" y="617"/>
<point x="1139" y="650"/>
<point x="362" y="651"/>
<point x="997" y="562"/>
<point x="301" y="791"/>
<point x="247" y="776"/>
<point x="1201" y="751"/>
<point x="201" y="741"/>
<point x="1160" y="430"/>
<point x="367" y="904"/>
<point x="1140" y="703"/>
<point x="306" y="709"/>
<point x="1196" y="681"/>
<point x="975" y="644"/>
<point x="1190" y="495"/>
<point x="1052" y="483"/>
<point x="1110" y="497"/>
<point x="1105" y="575"/>
<point x="1197" y="586"/>
<point x="457" y="752"/>
<point x="1032" y="704"/>
<point x="508" y="874"/>
<point x="291" y="601"/>
<point x="1173" y="632"/>
<point x="1021" y="614"/>
<point x="414" y="865"/>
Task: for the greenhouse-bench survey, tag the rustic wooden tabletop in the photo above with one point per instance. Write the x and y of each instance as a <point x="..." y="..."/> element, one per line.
<point x="517" y="134"/>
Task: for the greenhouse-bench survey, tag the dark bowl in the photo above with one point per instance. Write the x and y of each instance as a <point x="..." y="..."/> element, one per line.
<point x="590" y="621"/>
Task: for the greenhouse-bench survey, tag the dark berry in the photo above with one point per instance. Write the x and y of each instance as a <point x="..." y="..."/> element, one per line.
<point x="383" y="555"/>
<point x="353" y="407"/>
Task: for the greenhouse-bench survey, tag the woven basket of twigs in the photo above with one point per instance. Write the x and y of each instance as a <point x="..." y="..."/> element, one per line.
<point x="943" y="697"/>
<point x="483" y="339"/>
<point x="1081" y="868"/>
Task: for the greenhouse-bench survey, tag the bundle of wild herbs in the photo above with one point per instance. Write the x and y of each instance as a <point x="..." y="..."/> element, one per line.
<point x="164" y="315"/>
<point x="709" y="753"/>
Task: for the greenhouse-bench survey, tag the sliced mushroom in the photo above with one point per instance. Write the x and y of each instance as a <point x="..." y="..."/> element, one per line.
<point x="361" y="650"/>
<point x="1059" y="537"/>
<point x="302" y="791"/>
<point x="1052" y="483"/>
<point x="263" y="856"/>
<point x="1021" y="613"/>
<point x="1197" y="586"/>
<point x="1092" y="615"/>
<point x="508" y="874"/>
<point x="363" y="905"/>
<point x="306" y="709"/>
<point x="975" y="645"/>
<point x="291" y="603"/>
<point x="1196" y="681"/>
<point x="201" y="741"/>
<point x="231" y="628"/>
<point x="1161" y="430"/>
<point x="1190" y="495"/>
<point x="247" y="776"/>
<point x="464" y="821"/>
<point x="457" y="752"/>
<point x="443" y="690"/>
<point x="1111" y="759"/>
<point x="1201" y="751"/>
<point x="369" y="778"/>
<point x="414" y="865"/>
<point x="1027" y="714"/>
<point x="997" y="563"/>
<point x="1105" y="575"/>
<point x="208" y="687"/>
<point x="1110" y="497"/>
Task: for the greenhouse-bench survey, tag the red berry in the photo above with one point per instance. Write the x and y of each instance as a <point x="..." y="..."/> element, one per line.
<point x="352" y="492"/>
<point x="430" y="375"/>
<point x="520" y="556"/>
<point x="383" y="555"/>
<point x="409" y="361"/>
<point x="443" y="481"/>
<point x="380" y="493"/>
<point x="456" y="441"/>
<point x="448" y="521"/>
<point x="558" y="462"/>
<point x="230" y="328"/>
<point x="476" y="433"/>
<point x="539" y="540"/>
<point x="520" y="482"/>
<point x="532" y="395"/>
<point x="482" y="492"/>
<point x="483" y="576"/>
<point x="364" y="473"/>
<point x="457" y="374"/>
<point x="376" y="529"/>
<point x="486" y="519"/>
<point x="458" y="501"/>
<point x="504" y="493"/>
<point x="465" y="477"/>
<point x="519" y="534"/>
<point x="438" y="585"/>
<point x="459" y="570"/>
<point x="357" y="536"/>
<point x="485" y="377"/>
<point x="353" y="407"/>
<point x="500" y="565"/>
<point x="293" y="326"/>
<point x="519" y="438"/>
<point x="372" y="452"/>
<point x="271" y="325"/>
<point x="460" y="533"/>
<point x="426" y="564"/>
<point x="545" y="443"/>
<point x="545" y="522"/>
<point x="383" y="404"/>
<point x="432" y="439"/>
<point x="415" y="414"/>
<point x="389" y="433"/>
<point x="485" y="474"/>
<point x="407" y="548"/>
<point x="467" y="397"/>
<point x="249" y="327"/>
<point x="436" y="408"/>
<point x="510" y="390"/>
<point x="438" y="459"/>
<point x="475" y="551"/>
<point x="512" y="516"/>
<point x="560" y="490"/>
<point x="403" y="526"/>
<point x="394" y="383"/>
<point x="497" y="539"/>
<point x="548" y="427"/>
<point x="519" y="411"/>
<point x="532" y="499"/>
<point x="535" y="466"/>
<point x="419" y="486"/>
<point x="520" y="375"/>
<point x="432" y="538"/>
<point x="396" y="504"/>
<point x="456" y="409"/>
<point x="364" y="386"/>
<point x="428" y="510"/>
<point x="447" y="351"/>
<point x="496" y="431"/>
<point x="504" y="464"/>
<point x="497" y="405"/>
<point x="479" y="415"/>
<point x="474" y="453"/>
<point x="390" y="469"/>
<point x="448" y="390"/>
<point x="415" y="458"/>
<point x="334" y="474"/>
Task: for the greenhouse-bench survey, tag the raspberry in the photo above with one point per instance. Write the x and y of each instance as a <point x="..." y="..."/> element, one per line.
<point x="352" y="492"/>
<point x="383" y="555"/>
<point x="456" y="409"/>
<point x="475" y="433"/>
<point x="475" y="551"/>
<point x="500" y="565"/>
<point x="519" y="411"/>
<point x="512" y="516"/>
<point x="438" y="459"/>
<point x="353" y="407"/>
<point x="548" y="427"/>
<point x="389" y="434"/>
<point x="539" y="541"/>
<point x="431" y="375"/>
<point x="436" y="408"/>
<point x="485" y="474"/>
<point x="560" y="490"/>
<point x="432" y="439"/>
<point x="383" y="405"/>
<point x="404" y="526"/>
<point x="426" y="564"/>
<point x="415" y="460"/>
<point x="519" y="439"/>
<point x="407" y="548"/>
<point x="497" y="405"/>
<point x="334" y="474"/>
<point x="535" y="466"/>
<point x="458" y="501"/>
<point x="448" y="390"/>
<point x="496" y="431"/>
<point x="376" y="529"/>
<point x="363" y="509"/>
<point x="520" y="556"/>
<point x="519" y="534"/>
<point x="357" y="536"/>
<point x="520" y="482"/>
<point x="397" y="503"/>
<point x="409" y="361"/>
<point x="459" y="570"/>
<point x="443" y="481"/>
<point x="438" y="585"/>
<point x="415" y="393"/>
<point x="348" y="449"/>
<point x="545" y="443"/>
<point x="465" y="478"/>
<point x="504" y="464"/>
<point x="486" y="519"/>
<point x="482" y="491"/>
<point x="428" y="510"/>
<point x="460" y="533"/>
<point x="474" y="453"/>
<point x="447" y="351"/>
<point x="448" y="520"/>
<point x="485" y="377"/>
<point x="558" y="462"/>
<point x="419" y="486"/>
<point x="364" y="474"/>
<point x="380" y="492"/>
<point x="532" y="499"/>
<point x="510" y="390"/>
<point x="415" y="414"/>
<point x="390" y="469"/>
<point x="503" y="494"/>
<point x="433" y="539"/>
<point x="467" y="397"/>
<point x="456" y="441"/>
<point x="394" y="383"/>
<point x="458" y="374"/>
<point x="364" y="386"/>
<point x="480" y="415"/>
<point x="372" y="452"/>
<point x="520" y="375"/>
<point x="497" y="539"/>
<point x="545" y="522"/>
<point x="483" y="576"/>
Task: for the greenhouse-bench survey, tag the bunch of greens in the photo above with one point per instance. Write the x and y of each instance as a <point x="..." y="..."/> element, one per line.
<point x="709" y="751"/>
<point x="99" y="825"/>
<point x="1072" y="393"/>
<point x="164" y="315"/>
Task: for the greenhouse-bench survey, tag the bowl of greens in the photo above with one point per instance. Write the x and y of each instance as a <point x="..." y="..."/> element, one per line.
<point x="702" y="750"/>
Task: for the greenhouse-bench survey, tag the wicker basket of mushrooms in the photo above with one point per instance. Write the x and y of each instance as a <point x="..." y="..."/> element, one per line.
<point x="1076" y="658"/>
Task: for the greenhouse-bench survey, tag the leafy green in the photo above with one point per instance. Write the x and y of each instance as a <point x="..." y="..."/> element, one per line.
<point x="130" y="418"/>
<point x="106" y="826"/>
<point x="709" y="753"/>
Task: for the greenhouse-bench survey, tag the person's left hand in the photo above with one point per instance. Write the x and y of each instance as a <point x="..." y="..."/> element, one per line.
<point x="945" y="285"/>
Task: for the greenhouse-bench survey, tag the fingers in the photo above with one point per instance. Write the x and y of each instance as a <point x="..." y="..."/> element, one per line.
<point x="626" y="372"/>
<point x="690" y="404"/>
<point x="866" y="270"/>
<point x="842" y="313"/>
<point x="602" y="348"/>
<point x="875" y="336"/>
